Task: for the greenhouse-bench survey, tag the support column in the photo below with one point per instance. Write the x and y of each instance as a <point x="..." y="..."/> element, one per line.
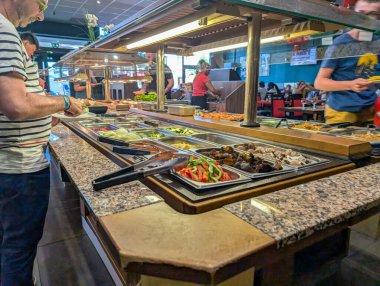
<point x="88" y="83"/>
<point x="107" y="84"/>
<point x="160" y="79"/>
<point x="252" y="77"/>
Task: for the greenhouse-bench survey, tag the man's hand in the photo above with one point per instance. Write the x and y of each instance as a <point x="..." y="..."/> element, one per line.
<point x="75" y="107"/>
<point x="359" y="84"/>
<point x="55" y="121"/>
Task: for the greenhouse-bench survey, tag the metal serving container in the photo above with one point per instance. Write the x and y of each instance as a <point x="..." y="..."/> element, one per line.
<point x="218" y="139"/>
<point x="350" y="132"/>
<point x="285" y="168"/>
<point x="147" y="133"/>
<point x="170" y="130"/>
<point x="131" y="125"/>
<point x="313" y="161"/>
<point x="113" y="119"/>
<point x="181" y="109"/>
<point x="237" y="178"/>
<point x="93" y="127"/>
<point x="196" y="144"/>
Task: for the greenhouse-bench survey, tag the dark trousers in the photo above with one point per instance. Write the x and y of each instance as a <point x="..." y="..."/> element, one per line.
<point x="24" y="200"/>
<point x="200" y="101"/>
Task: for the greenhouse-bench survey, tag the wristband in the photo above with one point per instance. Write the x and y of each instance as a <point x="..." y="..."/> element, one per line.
<point x="67" y="103"/>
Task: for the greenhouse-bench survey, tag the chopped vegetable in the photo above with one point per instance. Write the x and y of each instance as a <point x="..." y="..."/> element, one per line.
<point x="120" y="134"/>
<point x="183" y="131"/>
<point x="205" y="171"/>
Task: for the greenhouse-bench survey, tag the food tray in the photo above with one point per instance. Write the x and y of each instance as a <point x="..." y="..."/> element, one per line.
<point x="237" y="178"/>
<point x="218" y="139"/>
<point x="292" y="126"/>
<point x="181" y="109"/>
<point x="113" y="119"/>
<point x="185" y="140"/>
<point x="313" y="160"/>
<point x="146" y="132"/>
<point x="348" y="132"/>
<point x="286" y="168"/>
<point x="148" y="106"/>
<point x="169" y="128"/>
<point x="93" y="127"/>
<point x="131" y="125"/>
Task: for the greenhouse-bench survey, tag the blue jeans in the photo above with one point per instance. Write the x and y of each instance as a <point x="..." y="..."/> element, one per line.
<point x="24" y="200"/>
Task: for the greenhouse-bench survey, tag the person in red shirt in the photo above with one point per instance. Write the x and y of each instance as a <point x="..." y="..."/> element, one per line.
<point x="202" y="85"/>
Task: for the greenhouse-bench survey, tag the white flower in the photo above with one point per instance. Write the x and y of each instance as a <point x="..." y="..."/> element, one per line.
<point x="92" y="20"/>
<point x="108" y="28"/>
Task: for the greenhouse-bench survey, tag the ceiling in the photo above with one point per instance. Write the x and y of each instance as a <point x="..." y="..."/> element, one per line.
<point x="108" y="11"/>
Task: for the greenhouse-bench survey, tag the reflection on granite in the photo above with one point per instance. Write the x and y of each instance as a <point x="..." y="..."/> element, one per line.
<point x="84" y="164"/>
<point x="295" y="213"/>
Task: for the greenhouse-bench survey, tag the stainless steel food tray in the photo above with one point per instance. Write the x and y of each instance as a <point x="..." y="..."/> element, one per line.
<point x="132" y="125"/>
<point x="237" y="178"/>
<point x="347" y="133"/>
<point x="100" y="125"/>
<point x="143" y="132"/>
<point x="167" y="129"/>
<point x="188" y="140"/>
<point x="315" y="160"/>
<point x="218" y="139"/>
<point x="286" y="168"/>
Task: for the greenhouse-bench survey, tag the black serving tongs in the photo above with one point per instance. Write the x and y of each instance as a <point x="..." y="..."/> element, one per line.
<point x="283" y="120"/>
<point x="157" y="164"/>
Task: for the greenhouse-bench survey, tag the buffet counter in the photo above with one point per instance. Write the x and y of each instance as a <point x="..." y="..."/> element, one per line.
<point x="137" y="233"/>
<point x="348" y="148"/>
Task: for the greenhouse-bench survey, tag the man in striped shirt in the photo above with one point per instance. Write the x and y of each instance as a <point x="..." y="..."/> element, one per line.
<point x="25" y="122"/>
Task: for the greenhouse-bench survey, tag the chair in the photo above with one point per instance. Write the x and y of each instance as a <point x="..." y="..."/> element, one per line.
<point x="278" y="102"/>
<point x="297" y="103"/>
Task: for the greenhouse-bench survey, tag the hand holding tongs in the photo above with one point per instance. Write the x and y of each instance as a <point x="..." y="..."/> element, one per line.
<point x="159" y="163"/>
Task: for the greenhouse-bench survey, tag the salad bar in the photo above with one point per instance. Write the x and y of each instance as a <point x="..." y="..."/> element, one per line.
<point x="218" y="168"/>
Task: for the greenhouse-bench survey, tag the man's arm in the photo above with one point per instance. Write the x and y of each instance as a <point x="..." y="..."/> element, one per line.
<point x="323" y="81"/>
<point x="169" y="85"/>
<point x="211" y="88"/>
<point x="17" y="104"/>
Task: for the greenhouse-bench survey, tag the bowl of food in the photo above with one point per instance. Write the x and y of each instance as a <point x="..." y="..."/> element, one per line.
<point x="97" y="109"/>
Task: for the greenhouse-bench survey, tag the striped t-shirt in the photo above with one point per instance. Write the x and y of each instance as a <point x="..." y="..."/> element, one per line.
<point x="22" y="143"/>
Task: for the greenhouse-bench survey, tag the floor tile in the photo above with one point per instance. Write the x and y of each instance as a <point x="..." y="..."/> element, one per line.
<point x="73" y="262"/>
<point x="61" y="224"/>
<point x="360" y="242"/>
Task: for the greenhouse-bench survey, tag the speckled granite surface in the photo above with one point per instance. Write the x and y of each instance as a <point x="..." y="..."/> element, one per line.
<point x="84" y="163"/>
<point x="294" y="213"/>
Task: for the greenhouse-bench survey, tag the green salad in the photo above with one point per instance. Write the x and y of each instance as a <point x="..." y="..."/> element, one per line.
<point x="120" y="134"/>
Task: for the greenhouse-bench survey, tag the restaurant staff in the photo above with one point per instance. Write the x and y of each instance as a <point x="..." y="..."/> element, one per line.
<point x="202" y="85"/>
<point x="152" y="71"/>
<point x="79" y="90"/>
<point x="351" y="95"/>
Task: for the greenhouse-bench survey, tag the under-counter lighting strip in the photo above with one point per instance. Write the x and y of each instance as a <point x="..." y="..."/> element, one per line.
<point x="239" y="45"/>
<point x="166" y="35"/>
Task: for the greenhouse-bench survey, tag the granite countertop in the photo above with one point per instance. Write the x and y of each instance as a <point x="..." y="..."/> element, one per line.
<point x="287" y="216"/>
<point x="84" y="164"/>
<point x="295" y="213"/>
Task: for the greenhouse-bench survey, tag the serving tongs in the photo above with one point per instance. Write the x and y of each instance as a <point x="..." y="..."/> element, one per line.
<point x="158" y="164"/>
<point x="283" y="120"/>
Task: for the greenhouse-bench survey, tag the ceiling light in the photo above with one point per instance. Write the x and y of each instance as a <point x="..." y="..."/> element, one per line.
<point x="239" y="45"/>
<point x="115" y="57"/>
<point x="166" y="35"/>
<point x="98" y="2"/>
<point x="106" y="60"/>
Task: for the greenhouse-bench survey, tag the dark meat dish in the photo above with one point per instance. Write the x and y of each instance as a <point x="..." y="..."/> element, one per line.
<point x="246" y="162"/>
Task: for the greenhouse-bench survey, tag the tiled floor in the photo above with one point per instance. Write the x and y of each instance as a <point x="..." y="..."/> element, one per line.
<point x="66" y="256"/>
